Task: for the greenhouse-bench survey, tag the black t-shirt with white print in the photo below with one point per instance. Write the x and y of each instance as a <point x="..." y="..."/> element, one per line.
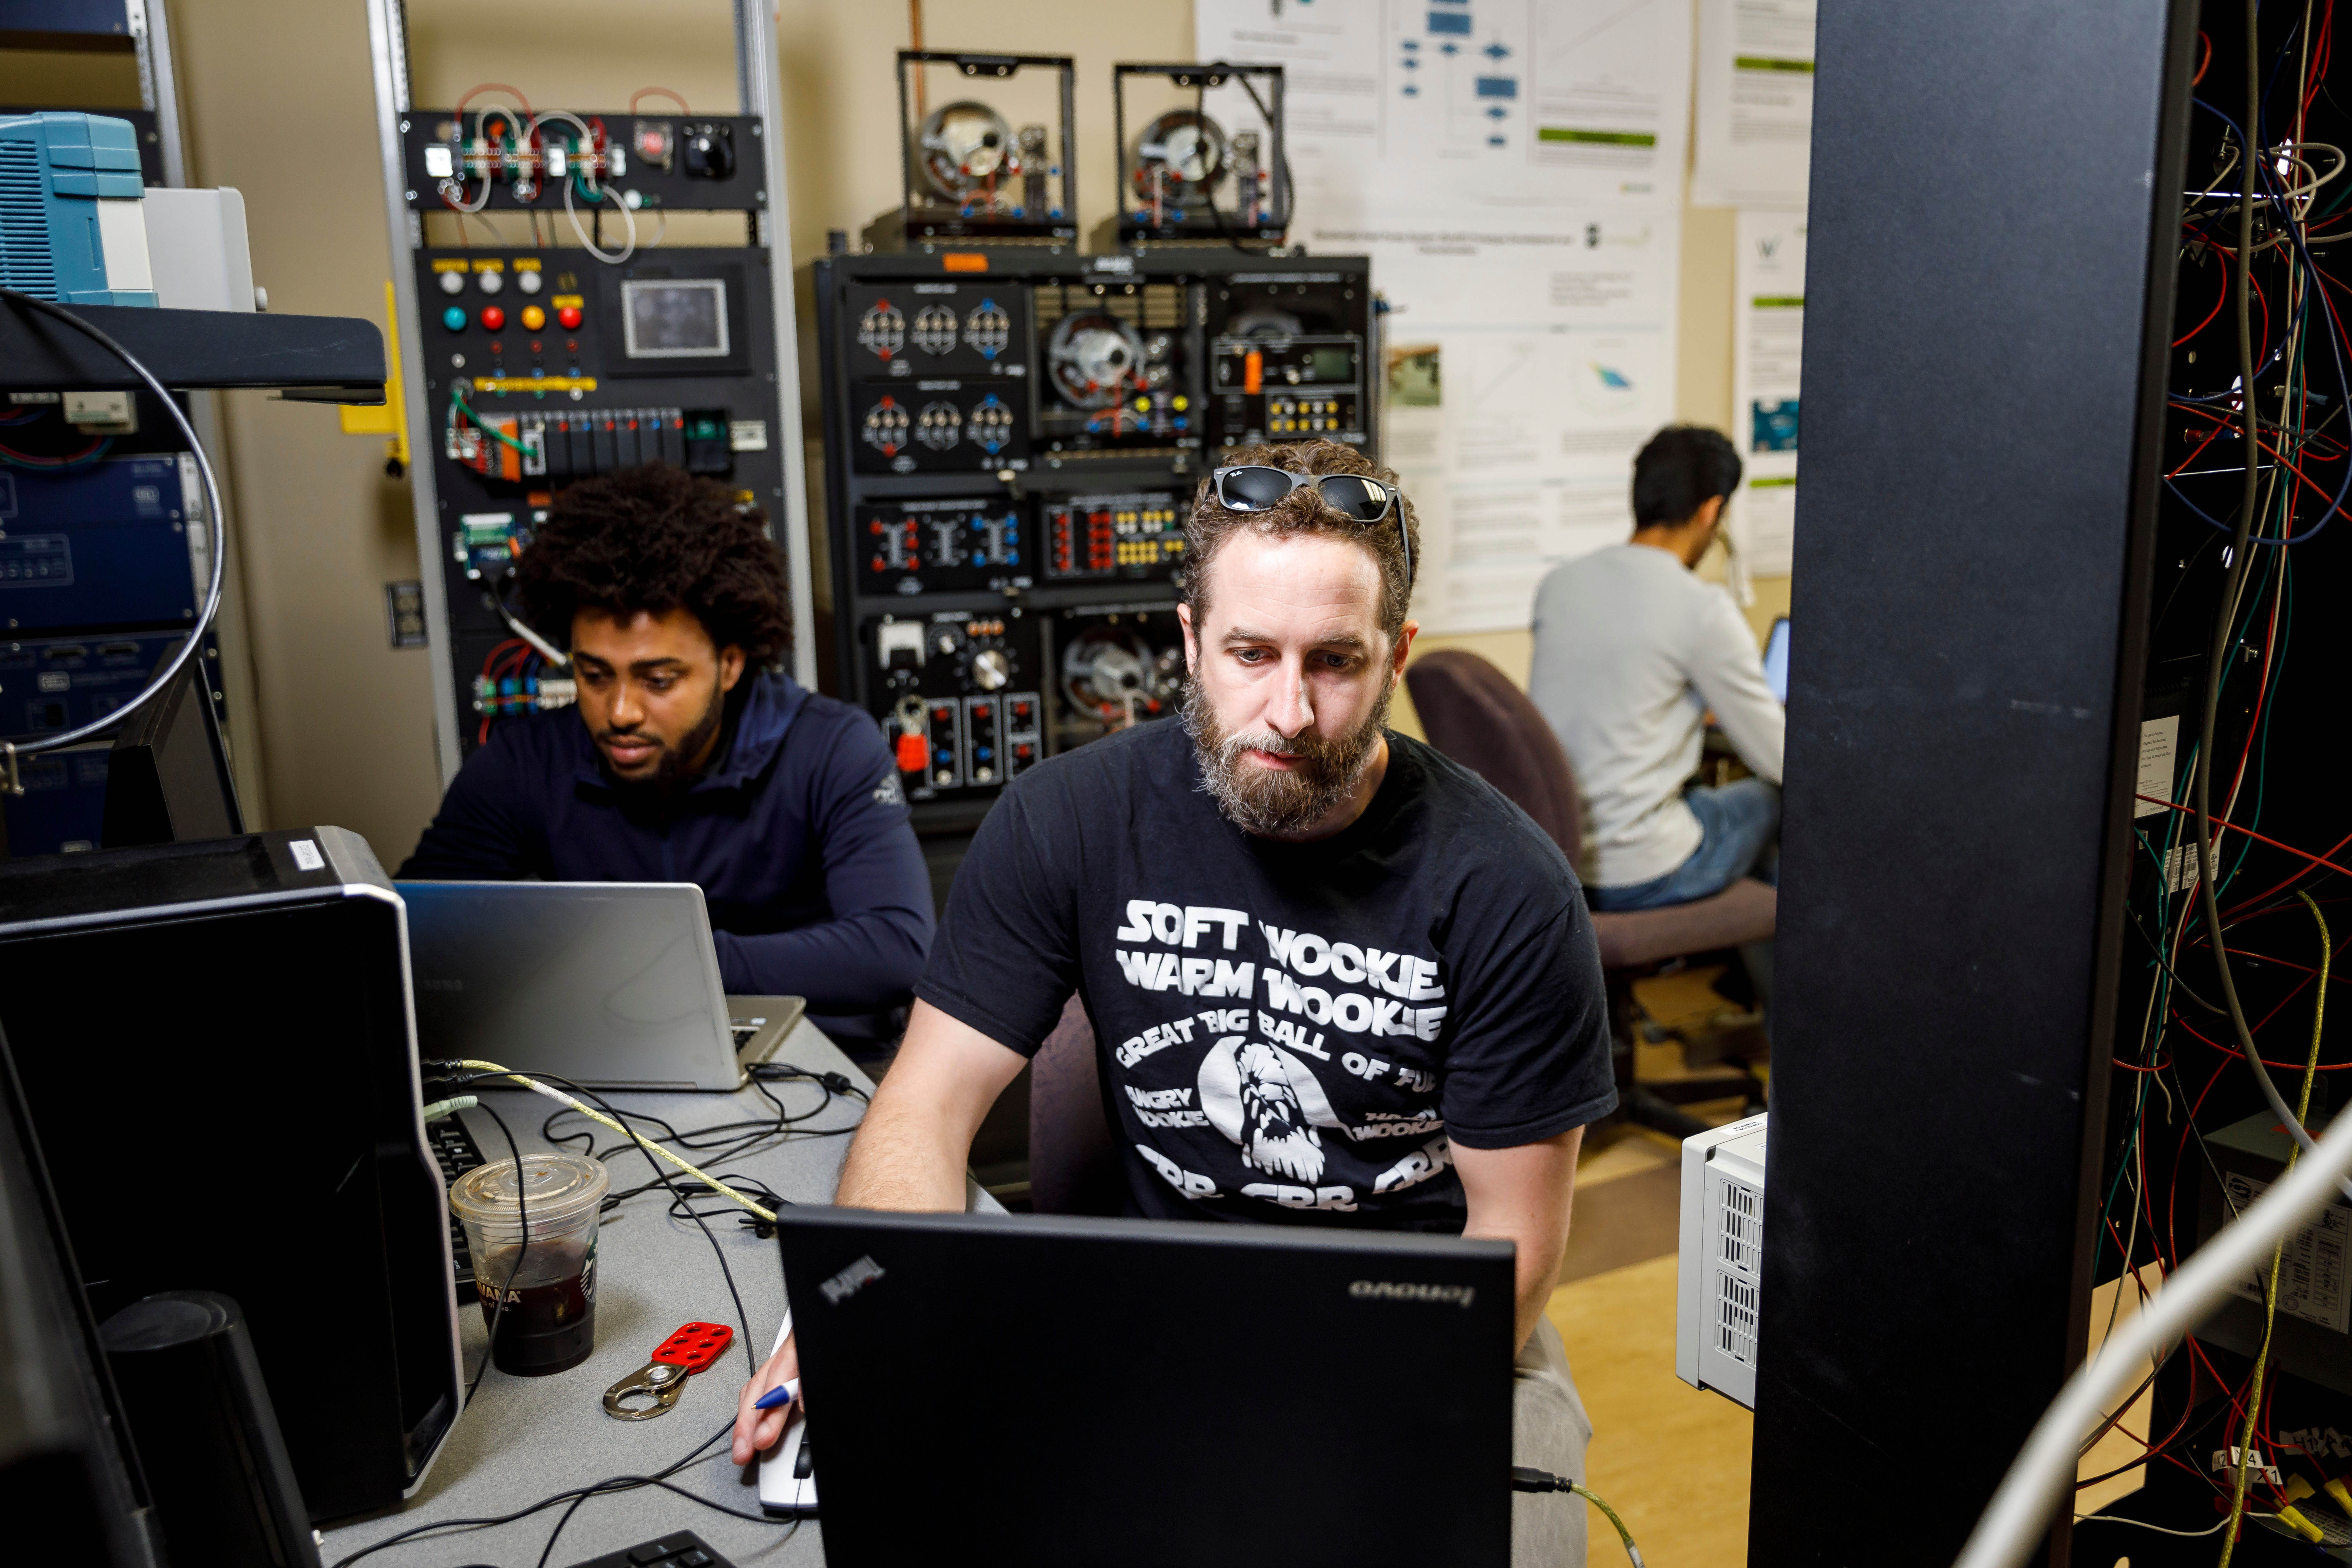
<point x="1285" y="1031"/>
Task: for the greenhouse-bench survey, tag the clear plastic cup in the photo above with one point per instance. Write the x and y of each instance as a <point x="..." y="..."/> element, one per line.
<point x="550" y="1284"/>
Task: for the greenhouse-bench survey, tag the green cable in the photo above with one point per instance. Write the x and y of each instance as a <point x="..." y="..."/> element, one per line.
<point x="458" y="401"/>
<point x="1623" y="1534"/>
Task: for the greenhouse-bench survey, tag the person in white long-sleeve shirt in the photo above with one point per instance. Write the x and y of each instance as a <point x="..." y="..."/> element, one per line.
<point x="1631" y="651"/>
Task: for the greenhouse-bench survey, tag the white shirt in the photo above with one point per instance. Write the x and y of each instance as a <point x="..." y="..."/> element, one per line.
<point x="1631" y="650"/>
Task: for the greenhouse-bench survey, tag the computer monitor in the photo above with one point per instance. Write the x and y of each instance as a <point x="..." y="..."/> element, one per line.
<point x="1033" y="1390"/>
<point x="1776" y="660"/>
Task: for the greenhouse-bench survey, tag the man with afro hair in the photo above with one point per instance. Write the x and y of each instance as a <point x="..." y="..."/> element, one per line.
<point x="690" y="758"/>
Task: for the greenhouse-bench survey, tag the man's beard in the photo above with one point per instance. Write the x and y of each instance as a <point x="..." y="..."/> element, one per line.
<point x="1278" y="802"/>
<point x="669" y="762"/>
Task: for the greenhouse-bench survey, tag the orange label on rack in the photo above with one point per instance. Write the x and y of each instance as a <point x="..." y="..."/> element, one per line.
<point x="963" y="262"/>
<point x="449" y="264"/>
<point x="490" y="264"/>
<point x="577" y="302"/>
<point x="526" y="264"/>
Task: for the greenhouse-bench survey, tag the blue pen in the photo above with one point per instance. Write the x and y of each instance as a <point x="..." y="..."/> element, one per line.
<point x="783" y="1393"/>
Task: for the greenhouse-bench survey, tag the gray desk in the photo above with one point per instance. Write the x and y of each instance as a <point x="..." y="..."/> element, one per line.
<point x="523" y="1439"/>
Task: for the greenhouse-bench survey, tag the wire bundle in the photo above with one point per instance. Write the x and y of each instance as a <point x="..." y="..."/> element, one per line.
<point x="2266" y="467"/>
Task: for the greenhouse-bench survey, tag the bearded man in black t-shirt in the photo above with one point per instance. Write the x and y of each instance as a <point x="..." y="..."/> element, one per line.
<point x="1334" y="978"/>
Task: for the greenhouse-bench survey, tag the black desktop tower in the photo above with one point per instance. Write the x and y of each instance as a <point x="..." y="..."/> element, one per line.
<point x="215" y="1046"/>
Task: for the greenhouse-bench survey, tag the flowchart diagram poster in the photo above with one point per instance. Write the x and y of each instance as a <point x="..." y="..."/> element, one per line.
<point x="1513" y="168"/>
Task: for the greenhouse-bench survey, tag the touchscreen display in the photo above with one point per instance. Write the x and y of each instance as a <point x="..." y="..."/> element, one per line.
<point x="675" y="318"/>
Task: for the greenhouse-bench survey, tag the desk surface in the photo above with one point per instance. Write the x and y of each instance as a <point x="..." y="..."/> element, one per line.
<point x="524" y="1438"/>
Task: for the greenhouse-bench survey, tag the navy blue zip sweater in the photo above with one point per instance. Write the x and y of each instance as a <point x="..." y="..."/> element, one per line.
<point x="797" y="833"/>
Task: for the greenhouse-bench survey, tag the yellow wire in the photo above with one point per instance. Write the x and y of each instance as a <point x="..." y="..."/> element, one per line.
<point x="554" y="1093"/>
<point x="2270" y="1295"/>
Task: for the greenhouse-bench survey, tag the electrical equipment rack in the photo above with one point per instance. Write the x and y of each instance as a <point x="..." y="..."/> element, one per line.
<point x="1013" y="439"/>
<point x="527" y="366"/>
<point x="200" y="356"/>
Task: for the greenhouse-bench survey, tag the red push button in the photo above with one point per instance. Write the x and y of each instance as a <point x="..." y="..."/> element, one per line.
<point x="493" y="317"/>
<point x="570" y="317"/>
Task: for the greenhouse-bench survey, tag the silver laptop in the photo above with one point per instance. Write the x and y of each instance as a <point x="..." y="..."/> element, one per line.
<point x="610" y="985"/>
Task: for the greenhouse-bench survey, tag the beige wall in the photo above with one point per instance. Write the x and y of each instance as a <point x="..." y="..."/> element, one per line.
<point x="280" y="105"/>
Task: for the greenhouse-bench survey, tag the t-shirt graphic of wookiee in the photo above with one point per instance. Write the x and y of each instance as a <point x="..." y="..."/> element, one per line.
<point x="1285" y="1031"/>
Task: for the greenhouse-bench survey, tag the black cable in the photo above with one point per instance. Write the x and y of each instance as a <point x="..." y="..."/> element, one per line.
<point x="522" y="1219"/>
<point x="662" y="1170"/>
<point x="2163" y="963"/>
<point x="699" y="1140"/>
<point x="609" y="1486"/>
<point x="1208" y="183"/>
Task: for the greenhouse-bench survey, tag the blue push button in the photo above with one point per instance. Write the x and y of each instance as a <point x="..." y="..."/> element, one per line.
<point x="454" y="318"/>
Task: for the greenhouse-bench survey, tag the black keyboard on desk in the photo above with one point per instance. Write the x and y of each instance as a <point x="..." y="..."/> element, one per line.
<point x="684" y="1550"/>
<point x="455" y="1150"/>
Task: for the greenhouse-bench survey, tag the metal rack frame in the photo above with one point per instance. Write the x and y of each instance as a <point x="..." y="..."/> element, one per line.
<point x="760" y="92"/>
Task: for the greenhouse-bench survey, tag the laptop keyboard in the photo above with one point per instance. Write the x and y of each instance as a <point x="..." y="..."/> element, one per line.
<point x="455" y="1150"/>
<point x="745" y="1030"/>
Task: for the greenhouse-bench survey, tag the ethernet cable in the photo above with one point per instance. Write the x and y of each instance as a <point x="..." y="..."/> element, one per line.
<point x="713" y="1183"/>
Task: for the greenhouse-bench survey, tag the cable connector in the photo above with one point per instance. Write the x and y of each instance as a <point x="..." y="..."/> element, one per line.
<point x="442" y="1109"/>
<point x="1527" y="1479"/>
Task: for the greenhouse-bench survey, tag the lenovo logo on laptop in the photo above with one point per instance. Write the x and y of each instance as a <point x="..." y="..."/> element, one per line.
<point x="1393" y="1290"/>
<point x="851" y="1281"/>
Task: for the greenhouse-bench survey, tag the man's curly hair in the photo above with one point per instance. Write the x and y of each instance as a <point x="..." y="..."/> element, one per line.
<point x="1209" y="525"/>
<point x="656" y="539"/>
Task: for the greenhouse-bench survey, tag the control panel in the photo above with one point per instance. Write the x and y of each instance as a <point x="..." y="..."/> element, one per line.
<point x="1138" y="535"/>
<point x="928" y="546"/>
<point x="961" y="698"/>
<point x="1014" y="438"/>
<point x="593" y="347"/>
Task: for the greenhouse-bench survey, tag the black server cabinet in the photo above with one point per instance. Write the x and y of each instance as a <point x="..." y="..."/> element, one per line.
<point x="1996" y="191"/>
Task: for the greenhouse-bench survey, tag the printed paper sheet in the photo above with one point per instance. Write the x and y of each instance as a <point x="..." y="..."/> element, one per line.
<point x="1513" y="169"/>
<point x="1767" y="350"/>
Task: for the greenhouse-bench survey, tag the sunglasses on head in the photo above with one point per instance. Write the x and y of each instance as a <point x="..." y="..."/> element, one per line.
<point x="1257" y="487"/>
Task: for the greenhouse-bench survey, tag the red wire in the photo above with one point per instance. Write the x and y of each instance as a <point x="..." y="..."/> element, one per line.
<point x="2217" y="304"/>
<point x="2233" y="827"/>
<point x="2203" y="63"/>
<point x="501" y="87"/>
<point x="30" y="461"/>
<point x="2282" y="887"/>
<point x="2333" y="977"/>
<point x="2210" y="436"/>
<point x="2233" y="1051"/>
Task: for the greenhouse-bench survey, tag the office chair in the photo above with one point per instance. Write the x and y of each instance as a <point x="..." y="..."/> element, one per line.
<point x="1472" y="713"/>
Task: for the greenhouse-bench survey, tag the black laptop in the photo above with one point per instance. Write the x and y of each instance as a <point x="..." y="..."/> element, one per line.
<point x="1030" y="1390"/>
